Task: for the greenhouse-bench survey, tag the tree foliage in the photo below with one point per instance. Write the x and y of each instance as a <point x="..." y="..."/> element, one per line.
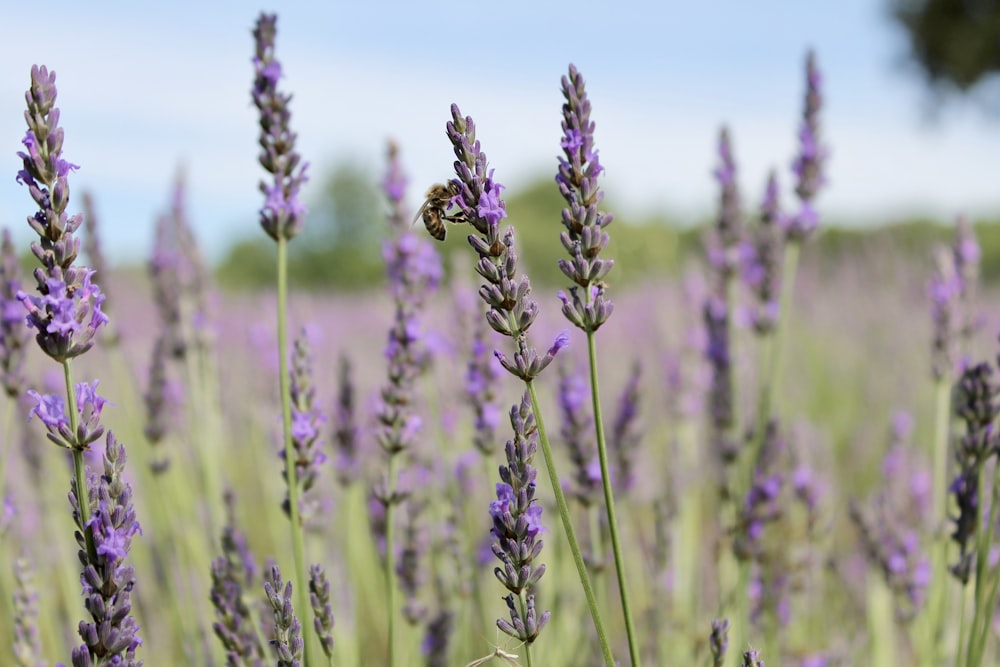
<point x="954" y="43"/>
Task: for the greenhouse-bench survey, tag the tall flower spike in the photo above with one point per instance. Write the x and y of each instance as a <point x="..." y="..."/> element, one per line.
<point x="718" y="641"/>
<point x="345" y="434"/>
<point x="585" y="236"/>
<point x="511" y="308"/>
<point x="67" y="313"/>
<point x="13" y="332"/>
<point x="26" y="645"/>
<point x="287" y="640"/>
<point x="480" y="387"/>
<point x="319" y="598"/>
<point x="576" y="430"/>
<point x="111" y="635"/>
<point x="625" y="435"/>
<point x="95" y="255"/>
<point x="307" y="421"/>
<point x="517" y="524"/>
<point x="762" y="269"/>
<point x="283" y="213"/>
<point x="808" y="165"/>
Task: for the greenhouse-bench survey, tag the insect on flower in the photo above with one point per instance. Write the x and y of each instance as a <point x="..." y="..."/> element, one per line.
<point x="433" y="209"/>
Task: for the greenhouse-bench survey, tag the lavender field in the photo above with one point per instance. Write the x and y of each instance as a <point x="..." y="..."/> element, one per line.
<point x="763" y="458"/>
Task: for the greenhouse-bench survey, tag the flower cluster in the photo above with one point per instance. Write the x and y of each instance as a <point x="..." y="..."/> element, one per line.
<point x="480" y="386"/>
<point x="720" y="396"/>
<point x="283" y="213"/>
<point x="584" y="237"/>
<point x="808" y="165"/>
<point x="345" y="434"/>
<point x="892" y="523"/>
<point x="233" y="575"/>
<point x="718" y="641"/>
<point x="287" y="630"/>
<point x="625" y="434"/>
<point x="517" y="523"/>
<point x="725" y="245"/>
<point x="976" y="404"/>
<point x="762" y="270"/>
<point x="50" y="409"/>
<point x="319" y="599"/>
<point x="511" y="308"/>
<point x="944" y="289"/>
<point x="67" y="314"/>
<point x="111" y="636"/>
<point x="13" y="332"/>
<point x="307" y="421"/>
<point x="576" y="430"/>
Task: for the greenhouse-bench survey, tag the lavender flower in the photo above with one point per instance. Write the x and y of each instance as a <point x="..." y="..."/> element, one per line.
<point x="625" y="436"/>
<point x="156" y="400"/>
<point x="287" y="640"/>
<point x="50" y="409"/>
<point x="319" y="598"/>
<point x="437" y="639"/>
<point x="517" y="523"/>
<point x="283" y="213"/>
<point x="480" y="387"/>
<point x="409" y="569"/>
<point x="808" y="165"/>
<point x="584" y="237"/>
<point x="92" y="247"/>
<point x="111" y="635"/>
<point x="13" y="332"/>
<point x="966" y="252"/>
<point x="720" y="397"/>
<point x="976" y="404"/>
<point x="511" y="308"/>
<point x="762" y="270"/>
<point x="345" y="434"/>
<point x="233" y="575"/>
<point x="307" y="421"/>
<point x="944" y="290"/>
<point x="751" y="658"/>
<point x="67" y="313"/>
<point x="724" y="246"/>
<point x="576" y="430"/>
<point x="26" y="645"/>
<point x="893" y="523"/>
<point x="718" y="641"/>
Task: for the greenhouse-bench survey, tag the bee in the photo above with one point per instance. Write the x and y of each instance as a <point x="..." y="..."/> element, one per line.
<point x="433" y="210"/>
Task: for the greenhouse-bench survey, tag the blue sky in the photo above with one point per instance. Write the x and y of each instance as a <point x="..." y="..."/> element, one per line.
<point x="145" y="88"/>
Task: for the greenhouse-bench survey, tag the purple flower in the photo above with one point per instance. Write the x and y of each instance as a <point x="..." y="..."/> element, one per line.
<point x="283" y="213"/>
<point x="584" y="236"/>
<point x="517" y="522"/>
<point x="306" y="422"/>
<point x="808" y="164"/>
<point x="111" y="634"/>
<point x="13" y="332"/>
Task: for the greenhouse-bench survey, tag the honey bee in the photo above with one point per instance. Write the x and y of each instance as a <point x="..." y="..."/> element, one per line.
<point x="433" y="210"/>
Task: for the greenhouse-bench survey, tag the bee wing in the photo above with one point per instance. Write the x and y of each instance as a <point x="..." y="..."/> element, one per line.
<point x="420" y="212"/>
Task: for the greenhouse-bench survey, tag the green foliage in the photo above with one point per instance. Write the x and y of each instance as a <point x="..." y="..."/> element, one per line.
<point x="955" y="43"/>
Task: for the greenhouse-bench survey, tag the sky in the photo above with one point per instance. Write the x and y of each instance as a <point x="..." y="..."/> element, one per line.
<point x="148" y="89"/>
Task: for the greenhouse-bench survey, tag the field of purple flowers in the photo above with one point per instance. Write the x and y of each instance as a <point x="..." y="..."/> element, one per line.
<point x="782" y="462"/>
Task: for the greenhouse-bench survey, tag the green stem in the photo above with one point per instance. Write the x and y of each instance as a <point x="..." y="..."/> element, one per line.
<point x="79" y="467"/>
<point x="937" y="599"/>
<point x="5" y="448"/>
<point x="985" y="590"/>
<point x="581" y="567"/>
<point x="609" y="502"/>
<point x="298" y="546"/>
<point x="390" y="560"/>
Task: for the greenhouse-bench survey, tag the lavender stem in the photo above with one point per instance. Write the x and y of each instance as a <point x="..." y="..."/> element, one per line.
<point x="79" y="467"/>
<point x="609" y="500"/>
<point x="298" y="547"/>
<point x="574" y="545"/>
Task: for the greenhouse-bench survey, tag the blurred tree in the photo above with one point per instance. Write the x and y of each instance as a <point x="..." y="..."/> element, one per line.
<point x="955" y="43"/>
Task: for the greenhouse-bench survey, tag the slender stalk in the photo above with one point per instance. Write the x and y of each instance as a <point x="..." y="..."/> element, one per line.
<point x="79" y="467"/>
<point x="298" y="547"/>
<point x="937" y="602"/>
<point x="609" y="501"/>
<point x="881" y="625"/>
<point x="963" y="603"/>
<point x="5" y="448"/>
<point x="574" y="545"/>
<point x="390" y="560"/>
<point x="984" y="597"/>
